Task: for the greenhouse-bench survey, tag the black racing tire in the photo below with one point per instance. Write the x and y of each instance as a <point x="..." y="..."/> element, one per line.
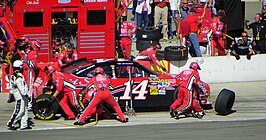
<point x="150" y="33"/>
<point x="224" y="102"/>
<point x="144" y="44"/>
<point x="44" y="108"/>
<point x="175" y="53"/>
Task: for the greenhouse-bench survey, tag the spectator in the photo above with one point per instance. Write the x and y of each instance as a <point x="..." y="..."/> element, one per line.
<point x="203" y="2"/>
<point x="65" y="92"/>
<point x="126" y="31"/>
<point x="242" y="46"/>
<point x="161" y="17"/>
<point x="66" y="56"/>
<point x="150" y="55"/>
<point x="135" y="2"/>
<point x="174" y="6"/>
<point x="186" y="101"/>
<point x="218" y="33"/>
<point x="184" y="30"/>
<point x="18" y="88"/>
<point x="101" y="85"/>
<point x="143" y="10"/>
<point x="258" y="36"/>
<point x="184" y="10"/>
<point x="194" y="22"/>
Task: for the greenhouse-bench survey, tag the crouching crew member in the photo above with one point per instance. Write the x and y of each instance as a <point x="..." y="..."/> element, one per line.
<point x="186" y="101"/>
<point x="101" y="85"/>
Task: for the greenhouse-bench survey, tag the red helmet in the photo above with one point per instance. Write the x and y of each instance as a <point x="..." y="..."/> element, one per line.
<point x="99" y="70"/>
<point x="36" y="45"/>
<point x="50" y="69"/>
<point x="194" y="66"/>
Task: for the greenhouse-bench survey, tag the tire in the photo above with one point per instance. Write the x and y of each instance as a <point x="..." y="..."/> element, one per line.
<point x="175" y="53"/>
<point x="160" y="55"/>
<point x="150" y="33"/>
<point x="224" y="102"/>
<point x="44" y="108"/>
<point x="143" y="44"/>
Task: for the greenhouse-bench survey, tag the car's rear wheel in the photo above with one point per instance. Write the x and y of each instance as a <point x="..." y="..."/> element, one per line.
<point x="44" y="108"/>
<point x="224" y="102"/>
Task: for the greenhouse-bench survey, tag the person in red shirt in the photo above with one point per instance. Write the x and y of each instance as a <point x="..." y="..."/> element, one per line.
<point x="101" y="85"/>
<point x="65" y="92"/>
<point x="126" y="31"/>
<point x="66" y="56"/>
<point x="218" y="31"/>
<point x="150" y="55"/>
<point x="184" y="30"/>
<point x="194" y="22"/>
<point x="186" y="101"/>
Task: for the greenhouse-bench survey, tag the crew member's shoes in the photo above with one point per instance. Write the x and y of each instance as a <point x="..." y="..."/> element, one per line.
<point x="177" y="116"/>
<point x="13" y="128"/>
<point x="248" y="57"/>
<point x="172" y="113"/>
<point x="198" y="115"/>
<point x="9" y="124"/>
<point x="124" y="121"/>
<point x="70" y="118"/>
<point x="79" y="123"/>
<point x="237" y="57"/>
<point x="26" y="128"/>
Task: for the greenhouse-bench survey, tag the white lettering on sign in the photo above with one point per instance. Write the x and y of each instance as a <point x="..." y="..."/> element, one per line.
<point x="140" y="89"/>
<point x="30" y="2"/>
<point x="95" y="1"/>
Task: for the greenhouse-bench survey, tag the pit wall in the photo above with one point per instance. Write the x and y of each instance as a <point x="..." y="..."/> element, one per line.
<point x="223" y="69"/>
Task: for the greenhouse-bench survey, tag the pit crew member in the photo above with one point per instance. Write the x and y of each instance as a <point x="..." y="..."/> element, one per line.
<point x="68" y="55"/>
<point x="101" y="85"/>
<point x="65" y="92"/>
<point x="20" y="91"/>
<point x="186" y="101"/>
<point x="126" y="31"/>
<point x="218" y="32"/>
<point x="150" y="55"/>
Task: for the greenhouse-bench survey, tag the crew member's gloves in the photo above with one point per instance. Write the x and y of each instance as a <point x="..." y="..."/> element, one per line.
<point x="164" y="69"/>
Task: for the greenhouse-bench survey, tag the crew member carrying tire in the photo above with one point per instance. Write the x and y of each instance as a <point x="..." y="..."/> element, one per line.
<point x="186" y="101"/>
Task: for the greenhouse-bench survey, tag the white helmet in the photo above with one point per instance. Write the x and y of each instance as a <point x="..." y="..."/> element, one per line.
<point x="17" y="64"/>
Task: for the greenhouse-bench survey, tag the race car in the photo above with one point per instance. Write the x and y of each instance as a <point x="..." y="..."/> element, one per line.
<point x="133" y="84"/>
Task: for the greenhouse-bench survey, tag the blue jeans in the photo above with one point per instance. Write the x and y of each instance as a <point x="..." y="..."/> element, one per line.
<point x="195" y="44"/>
<point x="172" y="17"/>
<point x="142" y="19"/>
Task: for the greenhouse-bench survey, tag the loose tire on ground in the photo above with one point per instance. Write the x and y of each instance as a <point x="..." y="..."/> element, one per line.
<point x="150" y="33"/>
<point x="44" y="108"/>
<point x="143" y="44"/>
<point x="175" y="53"/>
<point x="224" y="102"/>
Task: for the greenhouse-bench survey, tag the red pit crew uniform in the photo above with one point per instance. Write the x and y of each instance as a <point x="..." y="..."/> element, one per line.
<point x="101" y="84"/>
<point x="218" y="29"/>
<point x="148" y="54"/>
<point x="127" y="29"/>
<point x="66" y="93"/>
<point x="186" y="100"/>
<point x="64" y="58"/>
<point x="30" y="65"/>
